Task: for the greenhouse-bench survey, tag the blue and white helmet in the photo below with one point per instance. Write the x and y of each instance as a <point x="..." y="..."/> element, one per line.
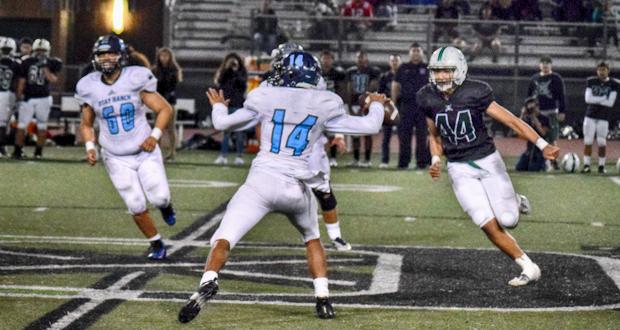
<point x="300" y="69"/>
<point x="450" y="58"/>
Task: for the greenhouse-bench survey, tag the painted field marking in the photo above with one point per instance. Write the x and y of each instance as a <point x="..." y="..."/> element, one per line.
<point x="182" y="183"/>
<point x="615" y="179"/>
<point x="375" y="188"/>
<point x="38" y="255"/>
<point x="40" y="209"/>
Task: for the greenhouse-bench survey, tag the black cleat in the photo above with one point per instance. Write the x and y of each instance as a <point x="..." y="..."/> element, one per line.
<point x="169" y="215"/>
<point x="324" y="309"/>
<point x="195" y="303"/>
<point x="585" y="169"/>
<point x="601" y="169"/>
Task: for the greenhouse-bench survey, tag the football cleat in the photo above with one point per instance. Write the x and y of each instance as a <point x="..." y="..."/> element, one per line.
<point x="221" y="160"/>
<point x="524" y="204"/>
<point x="365" y="164"/>
<point x="239" y="161"/>
<point x="383" y="165"/>
<point x="195" y="303"/>
<point x="585" y="169"/>
<point x="333" y="162"/>
<point x="341" y="245"/>
<point x="354" y="163"/>
<point x="529" y="275"/>
<point x="157" y="253"/>
<point x="169" y="215"/>
<point x="601" y="169"/>
<point x="3" y="152"/>
<point x="324" y="308"/>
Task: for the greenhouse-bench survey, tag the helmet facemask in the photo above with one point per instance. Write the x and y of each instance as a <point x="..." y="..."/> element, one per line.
<point x="107" y="62"/>
<point x="443" y="79"/>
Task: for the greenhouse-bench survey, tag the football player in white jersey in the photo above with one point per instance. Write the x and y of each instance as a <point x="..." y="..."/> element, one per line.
<point x="318" y="161"/>
<point x="293" y="116"/>
<point x="9" y="76"/>
<point x="114" y="96"/>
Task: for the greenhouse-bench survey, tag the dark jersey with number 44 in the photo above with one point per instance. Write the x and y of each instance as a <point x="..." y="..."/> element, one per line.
<point x="36" y="84"/>
<point x="460" y="119"/>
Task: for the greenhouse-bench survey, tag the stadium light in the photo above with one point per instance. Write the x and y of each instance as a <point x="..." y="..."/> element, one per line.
<point x="118" y="11"/>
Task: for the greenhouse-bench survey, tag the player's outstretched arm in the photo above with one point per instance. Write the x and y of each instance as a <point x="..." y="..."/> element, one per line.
<point x="87" y="118"/>
<point x="524" y="130"/>
<point x="241" y="119"/>
<point x="164" y="112"/>
<point x="356" y="125"/>
<point x="436" y="150"/>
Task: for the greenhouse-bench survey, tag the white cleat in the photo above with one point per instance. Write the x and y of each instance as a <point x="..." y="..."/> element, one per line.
<point x="383" y="165"/>
<point x="220" y="160"/>
<point x="239" y="161"/>
<point x="333" y="162"/>
<point x="365" y="164"/>
<point x="529" y="275"/>
<point x="341" y="245"/>
<point x="524" y="204"/>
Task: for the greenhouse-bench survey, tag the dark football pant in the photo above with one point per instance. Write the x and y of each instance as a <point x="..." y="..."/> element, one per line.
<point x="411" y="117"/>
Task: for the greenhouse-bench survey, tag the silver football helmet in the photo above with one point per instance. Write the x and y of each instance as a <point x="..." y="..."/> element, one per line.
<point x="448" y="58"/>
<point x="42" y="44"/>
<point x="8" y="46"/>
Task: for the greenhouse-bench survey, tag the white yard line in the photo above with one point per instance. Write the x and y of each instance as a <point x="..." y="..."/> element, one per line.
<point x="192" y="238"/>
<point x="615" y="180"/>
<point x="66" y="320"/>
<point x="38" y="255"/>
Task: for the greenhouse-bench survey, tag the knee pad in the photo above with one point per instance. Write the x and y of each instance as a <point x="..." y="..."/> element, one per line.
<point x="327" y="200"/>
<point x="508" y="219"/>
<point x="601" y="141"/>
<point x="42" y="126"/>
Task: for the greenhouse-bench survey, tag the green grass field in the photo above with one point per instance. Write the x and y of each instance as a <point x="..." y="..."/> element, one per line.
<point x="69" y="252"/>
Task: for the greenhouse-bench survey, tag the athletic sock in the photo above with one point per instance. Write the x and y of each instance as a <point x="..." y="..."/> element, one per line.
<point x="156" y="242"/>
<point x="38" y="150"/>
<point x="601" y="161"/>
<point x="320" y="287"/>
<point x="586" y="160"/>
<point x="356" y="154"/>
<point x="524" y="261"/>
<point x="333" y="230"/>
<point x="208" y="276"/>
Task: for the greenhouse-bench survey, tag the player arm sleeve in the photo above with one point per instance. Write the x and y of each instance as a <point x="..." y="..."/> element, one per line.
<point x="239" y="120"/>
<point x="356" y="125"/>
<point x="591" y="99"/>
<point x="609" y="100"/>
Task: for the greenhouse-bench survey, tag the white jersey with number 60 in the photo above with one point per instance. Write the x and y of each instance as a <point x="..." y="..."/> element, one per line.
<point x="118" y="108"/>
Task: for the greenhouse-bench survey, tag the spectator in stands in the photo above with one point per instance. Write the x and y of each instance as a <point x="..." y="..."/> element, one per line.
<point x="25" y="47"/>
<point x="231" y="77"/>
<point x="134" y="57"/>
<point x="364" y="12"/>
<point x="568" y="11"/>
<point x="266" y="28"/>
<point x="385" y="9"/>
<point x="502" y="9"/>
<point x="548" y="87"/>
<point x="532" y="159"/>
<point x="322" y="29"/>
<point x="168" y="74"/>
<point x="385" y="87"/>
<point x="487" y="33"/>
<point x="410" y="77"/>
<point x="335" y="80"/>
<point x="361" y="78"/>
<point x="447" y="9"/>
<point x="597" y="14"/>
<point x="526" y="10"/>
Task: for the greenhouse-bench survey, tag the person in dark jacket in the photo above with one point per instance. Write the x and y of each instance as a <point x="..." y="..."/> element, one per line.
<point x="533" y="159"/>
<point x="231" y="77"/>
<point x="385" y="87"/>
<point x="168" y="74"/>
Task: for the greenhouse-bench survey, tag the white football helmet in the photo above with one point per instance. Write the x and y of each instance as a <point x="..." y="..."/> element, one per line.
<point x="8" y="46"/>
<point x="450" y="58"/>
<point x="42" y="44"/>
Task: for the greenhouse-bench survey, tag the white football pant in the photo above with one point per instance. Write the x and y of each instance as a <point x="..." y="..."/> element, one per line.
<point x="484" y="190"/>
<point x="263" y="193"/>
<point x="598" y="127"/>
<point x="135" y="176"/>
<point x="38" y="108"/>
<point x="7" y="100"/>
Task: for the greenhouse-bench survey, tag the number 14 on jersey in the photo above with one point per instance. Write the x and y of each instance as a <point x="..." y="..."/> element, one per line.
<point x="297" y="139"/>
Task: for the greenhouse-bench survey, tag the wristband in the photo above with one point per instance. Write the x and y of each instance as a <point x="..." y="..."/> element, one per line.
<point x="90" y="145"/>
<point x="435" y="159"/>
<point x="541" y="143"/>
<point x="156" y="133"/>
